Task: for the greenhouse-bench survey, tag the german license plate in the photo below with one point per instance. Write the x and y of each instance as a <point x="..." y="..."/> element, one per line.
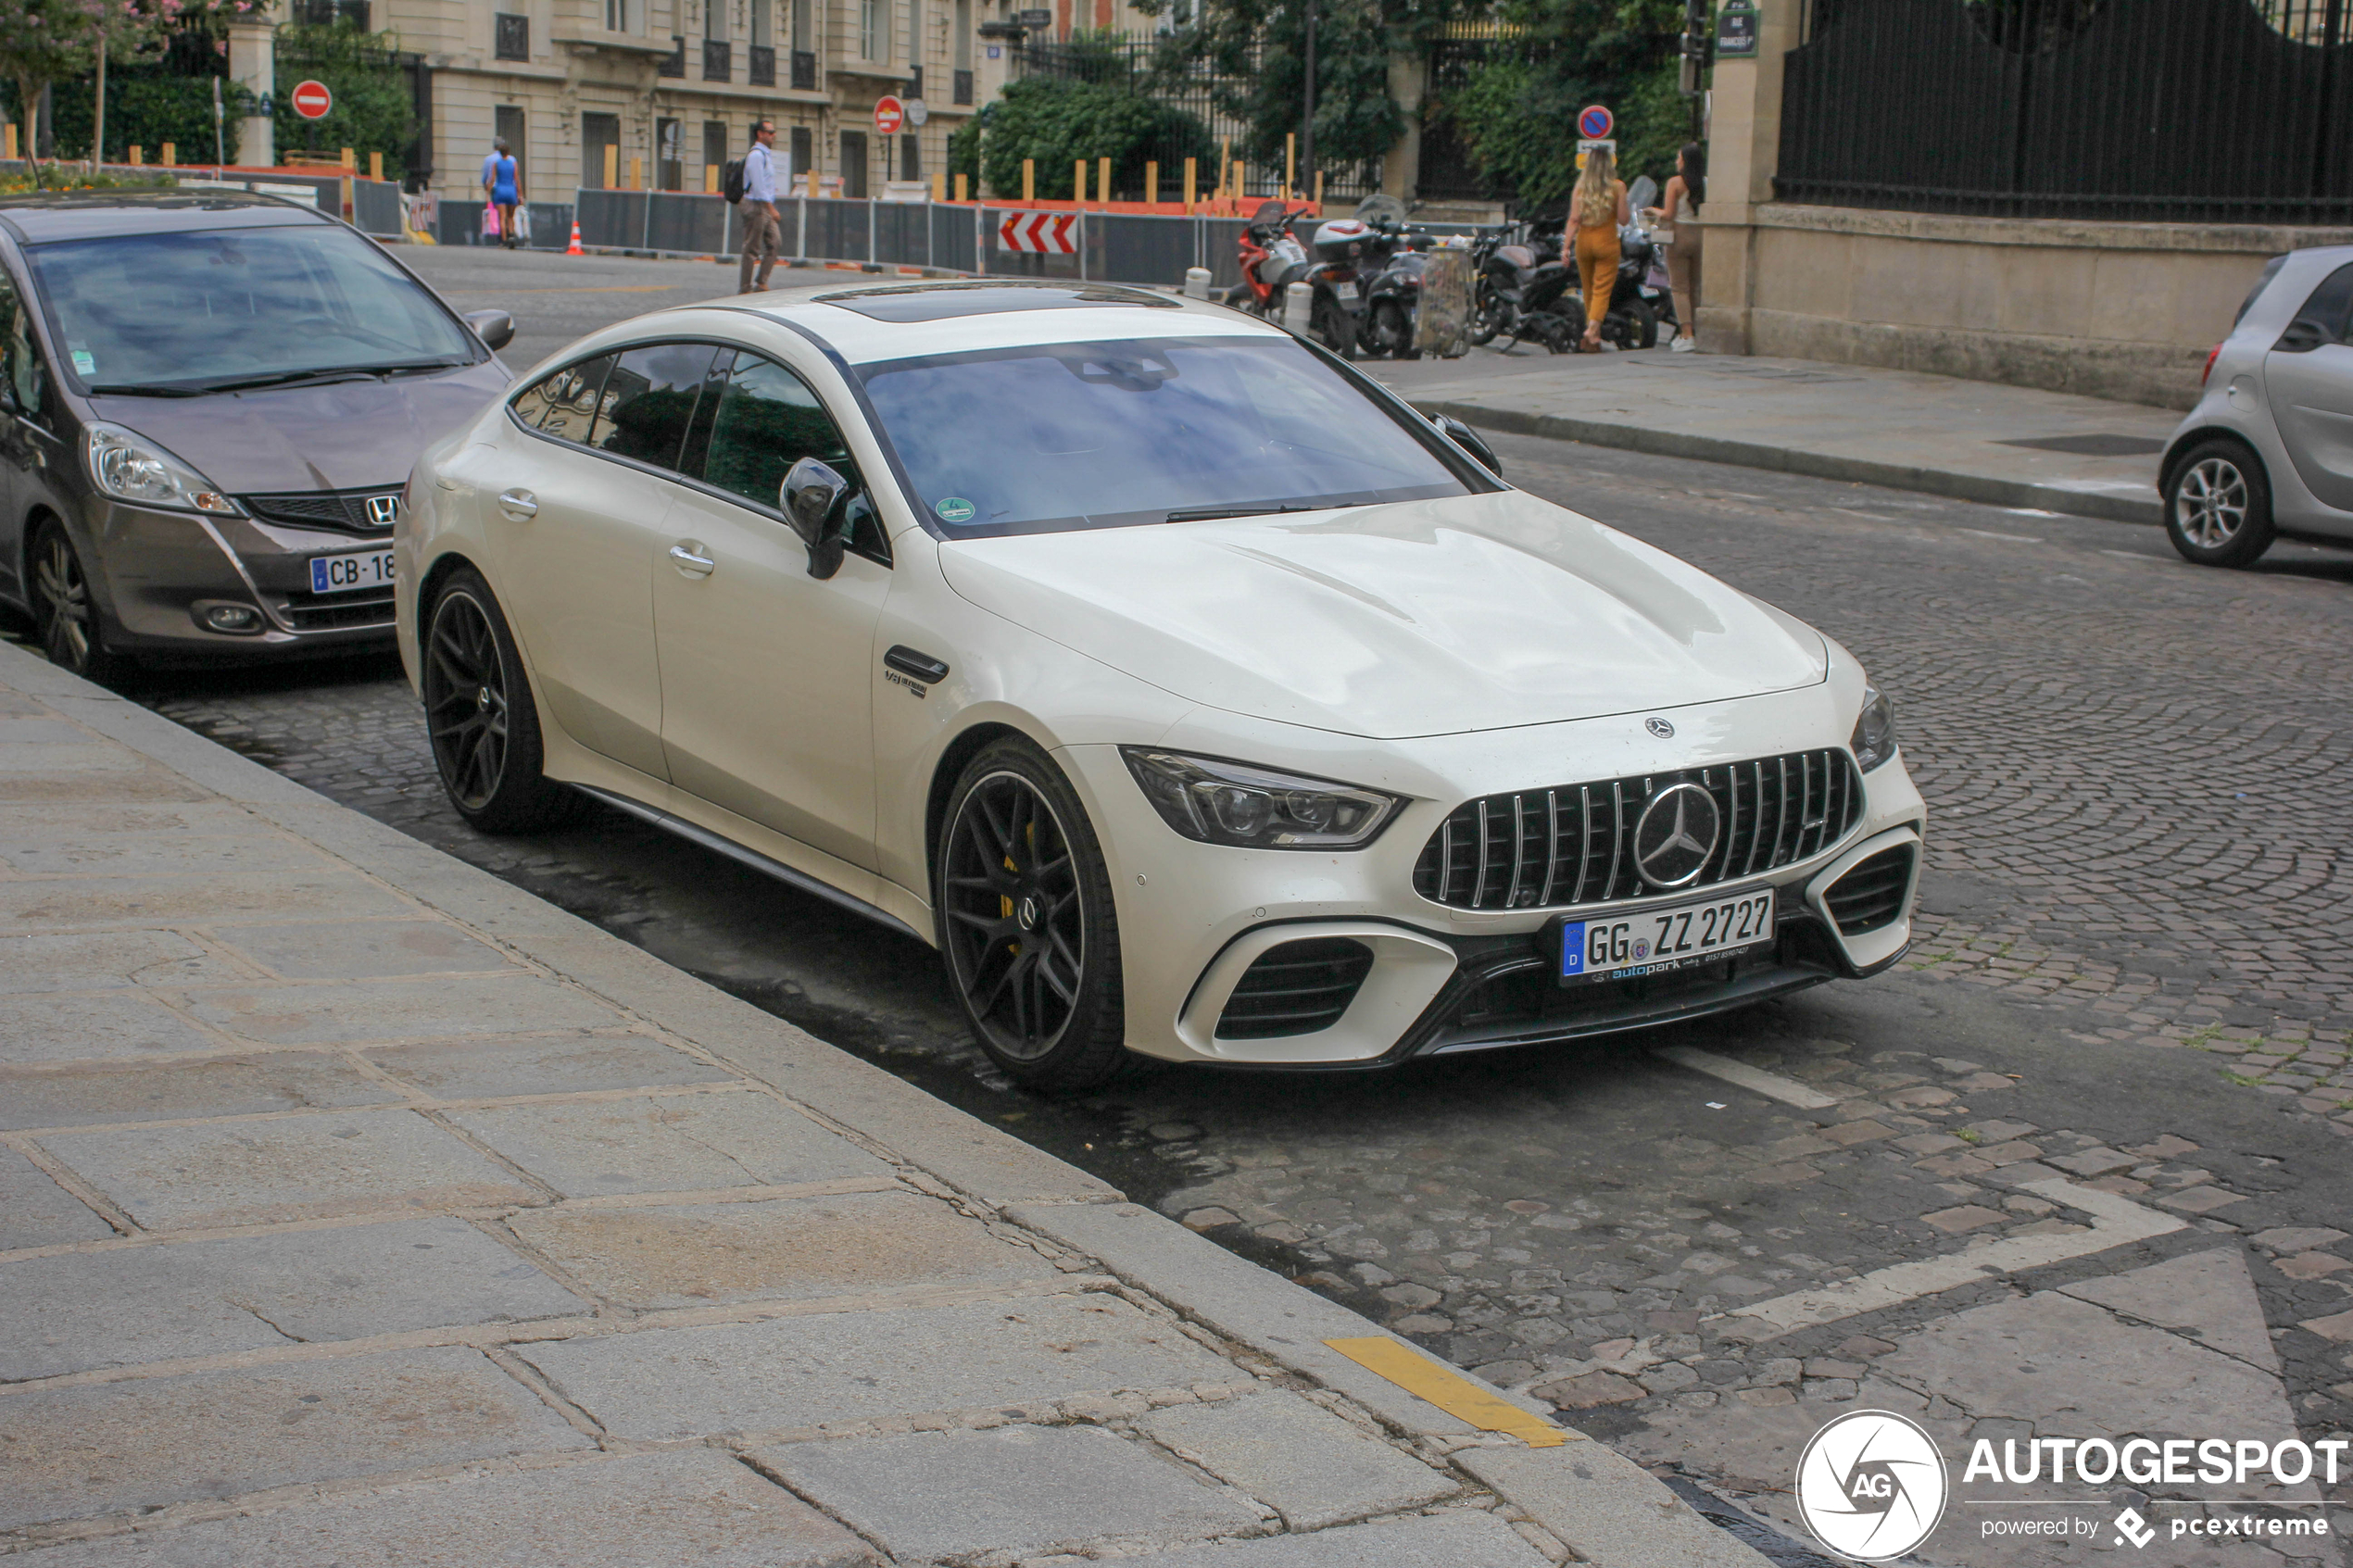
<point x="361" y="568"/>
<point x="1658" y="941"/>
<point x="1345" y="291"/>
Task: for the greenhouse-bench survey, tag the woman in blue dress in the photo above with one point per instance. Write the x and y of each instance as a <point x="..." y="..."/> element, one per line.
<point x="505" y="180"/>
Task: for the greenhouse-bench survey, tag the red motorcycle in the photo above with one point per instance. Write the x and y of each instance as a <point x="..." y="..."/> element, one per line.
<point x="1272" y="258"/>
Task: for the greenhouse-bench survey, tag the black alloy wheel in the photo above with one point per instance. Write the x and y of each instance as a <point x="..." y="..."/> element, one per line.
<point x="484" y="728"/>
<point x="65" y="614"/>
<point x="1026" y="924"/>
<point x="2218" y="504"/>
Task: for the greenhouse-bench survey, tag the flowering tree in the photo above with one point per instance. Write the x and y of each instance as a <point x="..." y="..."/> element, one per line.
<point x="42" y="41"/>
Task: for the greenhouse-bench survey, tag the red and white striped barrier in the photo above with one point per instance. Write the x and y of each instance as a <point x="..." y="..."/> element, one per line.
<point x="1053" y="233"/>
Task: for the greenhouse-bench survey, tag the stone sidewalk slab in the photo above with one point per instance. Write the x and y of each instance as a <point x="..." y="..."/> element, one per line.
<point x="780" y="1249"/>
<point x="344" y="950"/>
<point x="402" y="1010"/>
<point x="924" y="1496"/>
<point x="802" y="1372"/>
<point x="147" y="1443"/>
<point x="36" y="1211"/>
<point x="668" y="1143"/>
<point x="1902" y="429"/>
<point x="221" y="1086"/>
<point x="69" y="903"/>
<point x="125" y="855"/>
<point x="99" y="960"/>
<point x="290" y="1168"/>
<point x="646" y="1510"/>
<point x="1461" y="1538"/>
<point x="122" y="1305"/>
<point x="492" y="1068"/>
<point x="94" y="1026"/>
<point x="1310" y="1466"/>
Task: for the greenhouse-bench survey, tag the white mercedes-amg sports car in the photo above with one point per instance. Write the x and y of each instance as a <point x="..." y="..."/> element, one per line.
<point x="1193" y="695"/>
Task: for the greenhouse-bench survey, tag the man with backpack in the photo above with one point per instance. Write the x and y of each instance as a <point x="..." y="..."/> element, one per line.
<point x="751" y="186"/>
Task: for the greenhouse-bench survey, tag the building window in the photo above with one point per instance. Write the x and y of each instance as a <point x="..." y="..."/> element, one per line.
<point x="964" y="87"/>
<point x="674" y="63"/>
<point x="761" y="68"/>
<point x="804" y="154"/>
<point x="715" y="148"/>
<point x="964" y="44"/>
<point x="331" y="13"/>
<point x="513" y="37"/>
<point x="853" y="164"/>
<point x="718" y="63"/>
<point x="764" y="22"/>
<point x="617" y="17"/>
<point x="804" y="71"/>
<point x="670" y="156"/>
<point x="915" y="82"/>
<point x="506" y="123"/>
<point x="870" y="29"/>
<point x="715" y="18"/>
<point x="911" y="157"/>
<point x="597" y="133"/>
<point x="801" y="42"/>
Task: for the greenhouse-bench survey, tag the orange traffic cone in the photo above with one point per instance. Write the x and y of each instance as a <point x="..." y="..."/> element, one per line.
<point x="573" y="248"/>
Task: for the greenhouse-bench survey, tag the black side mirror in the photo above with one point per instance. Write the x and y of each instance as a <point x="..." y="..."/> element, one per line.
<point x="1469" y="441"/>
<point x="812" y="498"/>
<point x="496" y="328"/>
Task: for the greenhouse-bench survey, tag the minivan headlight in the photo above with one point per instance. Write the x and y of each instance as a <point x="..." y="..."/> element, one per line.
<point x="1215" y="801"/>
<point x="1874" y="738"/>
<point x="130" y="467"/>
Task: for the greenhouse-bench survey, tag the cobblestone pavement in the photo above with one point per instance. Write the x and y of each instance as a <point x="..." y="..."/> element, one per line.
<point x="2129" y="978"/>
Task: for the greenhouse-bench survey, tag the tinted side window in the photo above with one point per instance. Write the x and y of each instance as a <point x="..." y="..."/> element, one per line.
<point x="20" y="355"/>
<point x="564" y="404"/>
<point x="2330" y="307"/>
<point x="649" y="401"/>
<point x="768" y="420"/>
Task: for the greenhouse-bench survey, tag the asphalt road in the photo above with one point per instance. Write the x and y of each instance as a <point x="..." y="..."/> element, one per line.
<point x="2131" y="971"/>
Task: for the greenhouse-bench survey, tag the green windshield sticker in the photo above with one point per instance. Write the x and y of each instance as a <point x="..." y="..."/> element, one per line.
<point x="84" y="363"/>
<point x="955" y="508"/>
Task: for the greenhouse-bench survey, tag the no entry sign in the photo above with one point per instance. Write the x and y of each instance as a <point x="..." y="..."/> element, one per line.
<point x="1052" y="233"/>
<point x="311" y="100"/>
<point x="1593" y="123"/>
<point x="890" y="115"/>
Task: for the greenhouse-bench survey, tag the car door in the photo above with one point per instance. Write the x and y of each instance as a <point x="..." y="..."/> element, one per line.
<point x="578" y="505"/>
<point x="2307" y="380"/>
<point x="767" y="672"/>
<point x="26" y="443"/>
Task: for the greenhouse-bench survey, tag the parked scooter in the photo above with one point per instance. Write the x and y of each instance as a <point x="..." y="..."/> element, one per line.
<point x="1394" y="267"/>
<point x="1551" y="304"/>
<point x="1504" y="265"/>
<point x="1272" y="258"/>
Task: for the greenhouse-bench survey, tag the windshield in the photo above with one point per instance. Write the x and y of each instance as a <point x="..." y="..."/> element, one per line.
<point x="205" y="310"/>
<point x="1157" y="429"/>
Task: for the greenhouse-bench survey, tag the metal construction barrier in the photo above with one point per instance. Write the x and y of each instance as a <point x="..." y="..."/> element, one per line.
<point x="1111" y="247"/>
<point x="547" y="225"/>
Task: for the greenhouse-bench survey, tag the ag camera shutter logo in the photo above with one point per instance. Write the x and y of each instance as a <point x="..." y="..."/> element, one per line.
<point x="1872" y="1485"/>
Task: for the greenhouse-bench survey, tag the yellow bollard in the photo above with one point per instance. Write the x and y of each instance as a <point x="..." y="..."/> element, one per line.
<point x="1030" y="179"/>
<point x="710" y="178"/>
<point x="1102" y="180"/>
<point x="960" y="188"/>
<point x="1151" y="183"/>
<point x="375" y="166"/>
<point x="9" y="141"/>
<point x="1189" y="184"/>
<point x="1078" y="183"/>
<point x="612" y="168"/>
<point x="939" y="186"/>
<point x="171" y="154"/>
<point x="350" y="160"/>
<point x="1291" y="163"/>
<point x="1319" y="193"/>
<point x="637" y="173"/>
<point x="138" y="155"/>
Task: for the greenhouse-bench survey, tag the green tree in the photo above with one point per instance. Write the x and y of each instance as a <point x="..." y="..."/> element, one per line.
<point x="1058" y="120"/>
<point x="42" y="41"/>
<point x="374" y="109"/>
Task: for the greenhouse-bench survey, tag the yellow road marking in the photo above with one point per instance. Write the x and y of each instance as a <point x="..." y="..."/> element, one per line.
<point x="1450" y="1391"/>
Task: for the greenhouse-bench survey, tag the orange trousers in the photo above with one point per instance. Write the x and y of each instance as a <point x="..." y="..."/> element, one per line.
<point x="1597" y="257"/>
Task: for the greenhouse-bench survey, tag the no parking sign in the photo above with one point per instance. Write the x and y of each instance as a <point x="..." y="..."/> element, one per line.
<point x="1594" y="124"/>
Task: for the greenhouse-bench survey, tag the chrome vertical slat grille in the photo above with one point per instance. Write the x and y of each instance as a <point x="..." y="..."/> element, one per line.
<point x="1573" y="844"/>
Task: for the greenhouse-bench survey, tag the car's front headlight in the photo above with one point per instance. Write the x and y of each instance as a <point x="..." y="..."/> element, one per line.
<point x="130" y="467"/>
<point x="1220" y="802"/>
<point x="1874" y="740"/>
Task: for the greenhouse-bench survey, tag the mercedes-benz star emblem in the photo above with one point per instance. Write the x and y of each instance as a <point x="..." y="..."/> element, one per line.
<point x="381" y="509"/>
<point x="1660" y="728"/>
<point x="1674" y="834"/>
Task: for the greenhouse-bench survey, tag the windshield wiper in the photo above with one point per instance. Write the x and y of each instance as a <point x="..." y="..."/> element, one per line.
<point x="1253" y="509"/>
<point x="162" y="389"/>
<point x="320" y="376"/>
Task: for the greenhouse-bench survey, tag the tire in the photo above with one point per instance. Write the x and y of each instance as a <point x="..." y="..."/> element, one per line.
<point x="2218" y="504"/>
<point x="1633" y="326"/>
<point x="484" y="728"/>
<point x="65" y="617"/>
<point x="1026" y="924"/>
<point x="1489" y="316"/>
<point x="1394" y="332"/>
<point x="1333" y="328"/>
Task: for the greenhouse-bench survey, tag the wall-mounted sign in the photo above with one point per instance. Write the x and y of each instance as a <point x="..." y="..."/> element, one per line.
<point x="1736" y="31"/>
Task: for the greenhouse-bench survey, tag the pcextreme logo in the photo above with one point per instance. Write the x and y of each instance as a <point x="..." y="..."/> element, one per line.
<point x="1872" y="1485"/>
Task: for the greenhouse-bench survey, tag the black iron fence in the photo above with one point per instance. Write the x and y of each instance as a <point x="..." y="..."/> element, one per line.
<point x="1160" y="66"/>
<point x="2231" y="111"/>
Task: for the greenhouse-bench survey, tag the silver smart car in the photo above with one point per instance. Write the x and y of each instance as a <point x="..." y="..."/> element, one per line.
<point x="2268" y="450"/>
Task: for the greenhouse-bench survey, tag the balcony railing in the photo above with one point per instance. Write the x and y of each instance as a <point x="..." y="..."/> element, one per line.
<point x="763" y="64"/>
<point x="964" y="87"/>
<point x="804" y="71"/>
<point x="718" y="61"/>
<point x="674" y="63"/>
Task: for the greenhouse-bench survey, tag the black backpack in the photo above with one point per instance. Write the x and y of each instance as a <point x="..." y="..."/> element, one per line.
<point x="731" y="180"/>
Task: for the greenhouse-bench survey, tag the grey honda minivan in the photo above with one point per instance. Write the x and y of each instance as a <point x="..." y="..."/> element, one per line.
<point x="209" y="404"/>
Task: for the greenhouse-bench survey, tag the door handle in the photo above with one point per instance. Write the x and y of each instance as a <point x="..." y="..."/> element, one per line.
<point x="519" y="504"/>
<point x="691" y="562"/>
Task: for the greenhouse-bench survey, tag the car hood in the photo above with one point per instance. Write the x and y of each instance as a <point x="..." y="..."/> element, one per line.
<point x="341" y="436"/>
<point x="1416" y="618"/>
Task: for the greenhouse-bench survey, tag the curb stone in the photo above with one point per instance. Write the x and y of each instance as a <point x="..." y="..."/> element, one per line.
<point x="1604" y="1505"/>
<point x="1814" y="465"/>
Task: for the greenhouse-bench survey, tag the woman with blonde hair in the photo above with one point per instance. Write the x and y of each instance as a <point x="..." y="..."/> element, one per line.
<point x="1595" y="209"/>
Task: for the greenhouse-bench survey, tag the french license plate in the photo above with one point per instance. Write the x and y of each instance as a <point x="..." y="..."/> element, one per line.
<point x="1658" y="941"/>
<point x="1345" y="291"/>
<point x="341" y="575"/>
